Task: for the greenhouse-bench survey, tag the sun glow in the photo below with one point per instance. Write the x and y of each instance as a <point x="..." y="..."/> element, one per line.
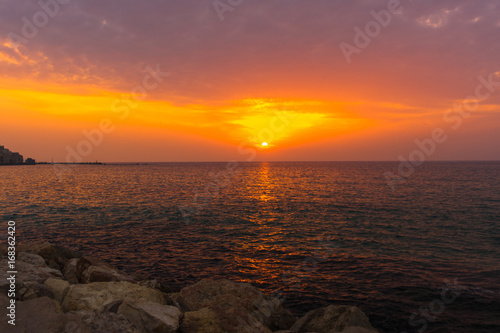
<point x="265" y="144"/>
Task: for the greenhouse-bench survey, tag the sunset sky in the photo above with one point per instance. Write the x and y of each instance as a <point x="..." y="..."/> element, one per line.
<point x="239" y="75"/>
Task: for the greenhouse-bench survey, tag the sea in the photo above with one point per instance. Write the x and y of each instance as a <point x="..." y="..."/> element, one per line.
<point x="423" y="256"/>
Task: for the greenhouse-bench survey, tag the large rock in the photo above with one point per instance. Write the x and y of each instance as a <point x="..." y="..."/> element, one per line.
<point x="58" y="287"/>
<point x="238" y="307"/>
<point x="31" y="290"/>
<point x="31" y="258"/>
<point x="96" y="295"/>
<point x="201" y="321"/>
<point x="69" y="271"/>
<point x="334" y="319"/>
<point x="280" y="319"/>
<point x="152" y="317"/>
<point x="55" y="256"/>
<point x="42" y="315"/>
<point x="92" y="270"/>
<point x="101" y="322"/>
<point x="153" y="284"/>
<point x="26" y="273"/>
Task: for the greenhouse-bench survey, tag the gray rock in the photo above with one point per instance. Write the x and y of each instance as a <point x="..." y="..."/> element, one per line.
<point x="69" y="271"/>
<point x="92" y="270"/>
<point x="29" y="294"/>
<point x="102" y="322"/>
<point x="280" y="319"/>
<point x="153" y="284"/>
<point x="43" y="315"/>
<point x="55" y="256"/>
<point x="31" y="290"/>
<point x="238" y="307"/>
<point x="31" y="258"/>
<point x="28" y="276"/>
<point x="94" y="296"/>
<point x="203" y="320"/>
<point x="334" y="319"/>
<point x="58" y="287"/>
<point x="152" y="317"/>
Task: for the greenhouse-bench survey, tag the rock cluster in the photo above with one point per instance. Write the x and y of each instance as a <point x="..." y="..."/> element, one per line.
<point x="58" y="290"/>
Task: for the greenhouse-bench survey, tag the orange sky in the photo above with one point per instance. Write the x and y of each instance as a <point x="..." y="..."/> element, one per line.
<point x="270" y="72"/>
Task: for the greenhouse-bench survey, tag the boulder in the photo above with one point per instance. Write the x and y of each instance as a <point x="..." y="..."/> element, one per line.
<point x="31" y="258"/>
<point x="153" y="284"/>
<point x="69" y="271"/>
<point x="94" y="296"/>
<point x="202" y="321"/>
<point x="92" y="270"/>
<point x="151" y="317"/>
<point x="238" y="307"/>
<point x="55" y="256"/>
<point x="334" y="319"/>
<point x="280" y="319"/>
<point x="31" y="290"/>
<point x="58" y="287"/>
<point x="26" y="273"/>
<point x="102" y="321"/>
<point x="43" y="315"/>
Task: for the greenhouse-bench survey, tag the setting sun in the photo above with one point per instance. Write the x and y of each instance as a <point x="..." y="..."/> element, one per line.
<point x="264" y="144"/>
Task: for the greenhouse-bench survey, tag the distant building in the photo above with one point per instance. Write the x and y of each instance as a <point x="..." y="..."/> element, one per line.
<point x="30" y="161"/>
<point x="10" y="158"/>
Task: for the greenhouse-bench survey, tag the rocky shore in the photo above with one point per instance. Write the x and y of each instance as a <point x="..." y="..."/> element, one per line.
<point x="58" y="290"/>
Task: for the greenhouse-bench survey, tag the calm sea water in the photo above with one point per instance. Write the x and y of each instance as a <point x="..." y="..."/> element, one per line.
<point x="319" y="233"/>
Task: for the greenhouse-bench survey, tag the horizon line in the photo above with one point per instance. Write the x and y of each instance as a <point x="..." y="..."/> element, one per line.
<point x="259" y="161"/>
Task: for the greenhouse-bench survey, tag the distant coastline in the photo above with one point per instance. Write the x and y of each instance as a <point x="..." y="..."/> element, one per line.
<point x="8" y="157"/>
<point x="93" y="163"/>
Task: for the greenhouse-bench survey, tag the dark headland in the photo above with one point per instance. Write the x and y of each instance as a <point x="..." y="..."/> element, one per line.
<point x="8" y="157"/>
